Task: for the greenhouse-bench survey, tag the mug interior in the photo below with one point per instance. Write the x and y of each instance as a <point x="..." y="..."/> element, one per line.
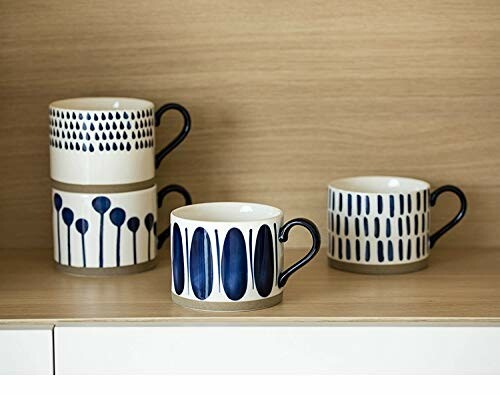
<point x="379" y="184"/>
<point x="102" y="104"/>
<point x="227" y="212"/>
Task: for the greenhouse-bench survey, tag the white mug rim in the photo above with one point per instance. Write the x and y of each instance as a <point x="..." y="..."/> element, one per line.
<point x="151" y="189"/>
<point x="263" y="212"/>
<point x="412" y="185"/>
<point x="108" y="104"/>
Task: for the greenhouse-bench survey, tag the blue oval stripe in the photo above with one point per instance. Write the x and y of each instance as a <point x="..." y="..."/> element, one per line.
<point x="201" y="264"/>
<point x="234" y="264"/>
<point x="264" y="261"/>
<point x="177" y="260"/>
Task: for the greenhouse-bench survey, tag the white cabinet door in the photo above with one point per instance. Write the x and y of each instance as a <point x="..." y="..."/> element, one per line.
<point x="277" y="349"/>
<point x="26" y="350"/>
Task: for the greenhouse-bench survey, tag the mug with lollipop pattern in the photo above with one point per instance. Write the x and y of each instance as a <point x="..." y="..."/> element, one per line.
<point x="109" y="230"/>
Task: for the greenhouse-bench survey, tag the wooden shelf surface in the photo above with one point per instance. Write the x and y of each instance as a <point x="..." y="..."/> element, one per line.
<point x="460" y="285"/>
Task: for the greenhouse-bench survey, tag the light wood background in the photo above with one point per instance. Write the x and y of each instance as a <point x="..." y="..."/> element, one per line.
<point x="285" y="96"/>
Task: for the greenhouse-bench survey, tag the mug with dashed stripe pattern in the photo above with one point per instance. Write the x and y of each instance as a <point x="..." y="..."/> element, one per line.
<point x="381" y="224"/>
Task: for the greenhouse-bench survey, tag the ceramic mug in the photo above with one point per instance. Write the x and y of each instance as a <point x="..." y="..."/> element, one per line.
<point x="381" y="224"/>
<point x="97" y="233"/>
<point x="108" y="141"/>
<point x="229" y="256"/>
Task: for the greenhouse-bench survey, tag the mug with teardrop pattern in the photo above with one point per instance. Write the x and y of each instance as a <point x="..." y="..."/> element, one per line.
<point x="107" y="141"/>
<point x="98" y="233"/>
<point x="229" y="256"/>
<point x="382" y="224"/>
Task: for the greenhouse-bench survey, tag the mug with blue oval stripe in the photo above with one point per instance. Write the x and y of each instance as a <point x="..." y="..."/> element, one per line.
<point x="229" y="256"/>
<point x="379" y="224"/>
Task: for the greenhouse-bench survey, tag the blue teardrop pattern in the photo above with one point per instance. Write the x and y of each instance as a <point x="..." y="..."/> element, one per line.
<point x="65" y="130"/>
<point x="201" y="264"/>
<point x="234" y="265"/>
<point x="264" y="261"/>
<point x="177" y="260"/>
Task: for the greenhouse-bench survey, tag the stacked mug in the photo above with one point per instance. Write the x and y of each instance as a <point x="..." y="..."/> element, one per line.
<point x="105" y="200"/>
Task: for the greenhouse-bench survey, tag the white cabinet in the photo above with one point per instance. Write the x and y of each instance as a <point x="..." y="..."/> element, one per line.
<point x="26" y="350"/>
<point x="277" y="349"/>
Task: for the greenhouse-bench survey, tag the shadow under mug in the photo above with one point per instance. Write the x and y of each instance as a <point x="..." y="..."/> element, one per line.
<point x="97" y="141"/>
<point x="381" y="225"/>
<point x="112" y="233"/>
<point x="229" y="256"/>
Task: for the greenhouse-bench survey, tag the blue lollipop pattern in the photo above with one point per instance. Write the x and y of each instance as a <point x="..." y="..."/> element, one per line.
<point x="106" y="209"/>
<point x="101" y="204"/>
<point x="117" y="216"/>
<point x="68" y="217"/>
<point x="82" y="226"/>
<point x="133" y="225"/>
<point x="58" y="205"/>
<point x="149" y="222"/>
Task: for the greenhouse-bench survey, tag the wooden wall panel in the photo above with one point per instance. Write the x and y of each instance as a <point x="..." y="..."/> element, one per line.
<point x="284" y="97"/>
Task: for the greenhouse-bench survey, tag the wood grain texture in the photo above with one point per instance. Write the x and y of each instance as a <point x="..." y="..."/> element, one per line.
<point x="283" y="97"/>
<point x="460" y="285"/>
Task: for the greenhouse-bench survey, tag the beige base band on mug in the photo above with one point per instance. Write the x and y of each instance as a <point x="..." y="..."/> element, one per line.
<point x="378" y="269"/>
<point x="106" y="271"/>
<point x="228" y="306"/>
<point x="136" y="186"/>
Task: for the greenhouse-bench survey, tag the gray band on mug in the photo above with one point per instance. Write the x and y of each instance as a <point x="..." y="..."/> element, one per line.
<point x="228" y="306"/>
<point x="378" y="269"/>
<point x="107" y="271"/>
<point x="135" y="186"/>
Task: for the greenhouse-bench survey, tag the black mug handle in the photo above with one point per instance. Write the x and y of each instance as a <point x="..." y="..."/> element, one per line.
<point x="180" y="137"/>
<point x="165" y="234"/>
<point x="463" y="208"/>
<point x="316" y="244"/>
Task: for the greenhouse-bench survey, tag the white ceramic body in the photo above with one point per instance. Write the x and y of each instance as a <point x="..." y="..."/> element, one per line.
<point x="102" y="141"/>
<point x="205" y="270"/>
<point x="68" y="244"/>
<point x="378" y="220"/>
